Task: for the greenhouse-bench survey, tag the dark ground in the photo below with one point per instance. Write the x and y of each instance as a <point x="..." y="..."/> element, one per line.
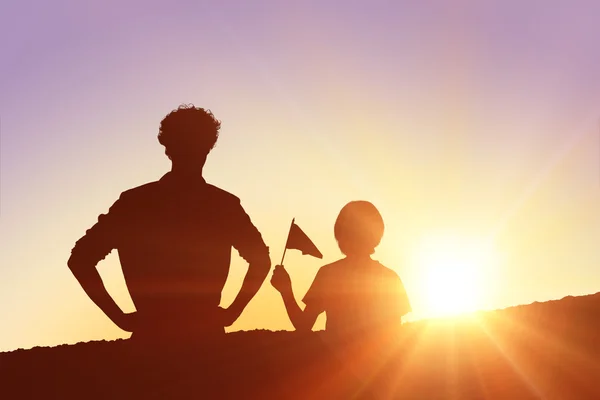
<point x="539" y="351"/>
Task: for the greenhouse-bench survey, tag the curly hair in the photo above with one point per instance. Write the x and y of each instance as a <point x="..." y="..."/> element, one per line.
<point x="188" y="126"/>
<point x="358" y="228"/>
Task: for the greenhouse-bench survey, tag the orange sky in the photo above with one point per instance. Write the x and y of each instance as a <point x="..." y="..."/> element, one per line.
<point x="474" y="124"/>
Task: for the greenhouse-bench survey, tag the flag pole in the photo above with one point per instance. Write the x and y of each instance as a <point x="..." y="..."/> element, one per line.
<point x="287" y="240"/>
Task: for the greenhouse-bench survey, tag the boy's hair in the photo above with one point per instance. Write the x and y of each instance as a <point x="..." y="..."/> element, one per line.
<point x="358" y="228"/>
<point x="188" y="126"/>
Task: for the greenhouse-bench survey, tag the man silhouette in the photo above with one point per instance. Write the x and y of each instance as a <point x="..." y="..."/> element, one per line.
<point x="174" y="238"/>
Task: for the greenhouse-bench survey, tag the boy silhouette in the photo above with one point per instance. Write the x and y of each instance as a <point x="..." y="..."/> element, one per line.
<point x="358" y="294"/>
<point x="174" y="237"/>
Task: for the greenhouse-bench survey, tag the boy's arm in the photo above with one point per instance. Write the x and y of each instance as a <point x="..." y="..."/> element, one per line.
<point x="396" y="304"/>
<point x="303" y="320"/>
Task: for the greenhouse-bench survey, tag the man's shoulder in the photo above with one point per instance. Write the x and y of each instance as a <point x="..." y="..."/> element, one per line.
<point x="141" y="191"/>
<point x="158" y="188"/>
<point x="222" y="194"/>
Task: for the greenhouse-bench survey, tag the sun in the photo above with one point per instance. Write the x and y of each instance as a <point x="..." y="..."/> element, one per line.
<point x="452" y="272"/>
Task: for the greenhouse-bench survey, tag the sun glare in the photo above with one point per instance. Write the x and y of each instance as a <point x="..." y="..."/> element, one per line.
<point x="453" y="272"/>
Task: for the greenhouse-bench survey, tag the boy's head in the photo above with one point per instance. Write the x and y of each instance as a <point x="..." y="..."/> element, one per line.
<point x="358" y="228"/>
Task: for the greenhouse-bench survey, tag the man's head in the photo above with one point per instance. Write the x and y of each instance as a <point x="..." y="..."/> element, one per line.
<point x="188" y="134"/>
<point x="358" y="228"/>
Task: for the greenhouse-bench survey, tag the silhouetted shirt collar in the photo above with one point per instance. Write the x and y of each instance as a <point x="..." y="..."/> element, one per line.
<point x="184" y="180"/>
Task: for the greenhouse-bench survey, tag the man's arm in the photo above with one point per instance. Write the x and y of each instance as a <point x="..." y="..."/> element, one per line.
<point x="91" y="282"/>
<point x="256" y="275"/>
<point x="249" y="243"/>
<point x="96" y="244"/>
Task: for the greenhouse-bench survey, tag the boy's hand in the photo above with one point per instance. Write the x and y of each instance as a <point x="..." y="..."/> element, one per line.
<point x="281" y="280"/>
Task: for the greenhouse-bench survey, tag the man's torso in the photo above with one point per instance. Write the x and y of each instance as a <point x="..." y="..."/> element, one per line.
<point x="175" y="247"/>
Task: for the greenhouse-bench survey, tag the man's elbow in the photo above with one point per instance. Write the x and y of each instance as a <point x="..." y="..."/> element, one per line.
<point x="75" y="267"/>
<point x="261" y="265"/>
<point x="73" y="264"/>
<point x="78" y="266"/>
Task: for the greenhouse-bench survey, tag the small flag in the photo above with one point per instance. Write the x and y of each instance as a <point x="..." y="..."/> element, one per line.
<point x="298" y="240"/>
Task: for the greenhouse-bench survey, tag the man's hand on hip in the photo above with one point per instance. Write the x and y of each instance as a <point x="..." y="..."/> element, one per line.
<point x="228" y="316"/>
<point x="127" y="321"/>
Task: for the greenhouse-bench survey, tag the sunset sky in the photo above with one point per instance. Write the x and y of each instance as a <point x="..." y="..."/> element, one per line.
<point x="472" y="126"/>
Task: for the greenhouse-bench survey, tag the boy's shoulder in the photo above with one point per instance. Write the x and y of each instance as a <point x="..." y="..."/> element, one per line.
<point x="387" y="271"/>
<point x="332" y="267"/>
<point x="342" y="265"/>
